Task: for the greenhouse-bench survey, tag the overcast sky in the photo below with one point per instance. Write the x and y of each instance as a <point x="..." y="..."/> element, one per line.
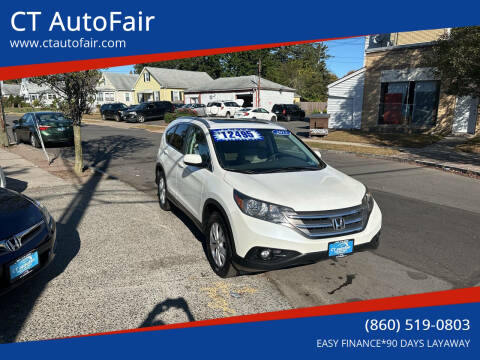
<point x="346" y="55"/>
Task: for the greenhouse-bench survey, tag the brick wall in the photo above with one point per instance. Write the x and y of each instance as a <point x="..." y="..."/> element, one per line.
<point x="396" y="59"/>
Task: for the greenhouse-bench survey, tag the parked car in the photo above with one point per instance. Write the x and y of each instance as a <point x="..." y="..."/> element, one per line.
<point x="288" y="112"/>
<point x="255" y="113"/>
<point x="200" y="109"/>
<point x="54" y="127"/>
<point x="263" y="199"/>
<point x="145" y="111"/>
<point x="113" y="111"/>
<point x="27" y="238"/>
<point x="167" y="105"/>
<point x="222" y="108"/>
<point x="178" y="106"/>
<point x="3" y="179"/>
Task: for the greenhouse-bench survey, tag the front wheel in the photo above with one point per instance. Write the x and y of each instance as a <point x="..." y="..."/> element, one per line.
<point x="273" y="119"/>
<point x="217" y="246"/>
<point x="15" y="138"/>
<point x="141" y="119"/>
<point x="117" y="118"/>
<point x="227" y="114"/>
<point x="162" y="191"/>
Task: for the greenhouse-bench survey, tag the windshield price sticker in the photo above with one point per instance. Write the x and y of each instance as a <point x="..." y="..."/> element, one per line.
<point x="236" y="135"/>
<point x="281" y="132"/>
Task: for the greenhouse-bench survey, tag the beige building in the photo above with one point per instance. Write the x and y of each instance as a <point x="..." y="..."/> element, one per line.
<point x="401" y="93"/>
<point x="115" y="88"/>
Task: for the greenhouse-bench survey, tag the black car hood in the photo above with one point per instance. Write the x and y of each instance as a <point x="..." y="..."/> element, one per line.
<point x="17" y="213"/>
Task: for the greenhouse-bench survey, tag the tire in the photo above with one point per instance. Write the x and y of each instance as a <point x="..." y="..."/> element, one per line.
<point x="15" y="138"/>
<point x="141" y="119"/>
<point x="289" y="118"/>
<point x="104" y="117"/>
<point x="117" y="118"/>
<point x="217" y="246"/>
<point x="162" y="191"/>
<point x="34" y="141"/>
<point x="273" y="119"/>
<point x="227" y="114"/>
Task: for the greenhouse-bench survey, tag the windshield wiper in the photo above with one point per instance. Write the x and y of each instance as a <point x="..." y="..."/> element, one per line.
<point x="291" y="168"/>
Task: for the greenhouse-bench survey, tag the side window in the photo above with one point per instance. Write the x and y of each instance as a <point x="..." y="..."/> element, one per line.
<point x="178" y="137"/>
<point x="28" y="119"/>
<point x="169" y="134"/>
<point x="196" y="143"/>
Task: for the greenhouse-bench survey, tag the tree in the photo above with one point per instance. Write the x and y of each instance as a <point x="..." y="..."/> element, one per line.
<point x="456" y="59"/>
<point x="76" y="91"/>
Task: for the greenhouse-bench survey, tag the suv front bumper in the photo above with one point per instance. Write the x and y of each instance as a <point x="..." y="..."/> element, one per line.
<point x="251" y="233"/>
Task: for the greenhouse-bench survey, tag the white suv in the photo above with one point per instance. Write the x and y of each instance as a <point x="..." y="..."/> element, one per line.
<point x="263" y="199"/>
<point x="222" y="108"/>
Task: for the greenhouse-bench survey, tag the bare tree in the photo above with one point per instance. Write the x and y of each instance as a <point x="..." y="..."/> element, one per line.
<point x="76" y="91"/>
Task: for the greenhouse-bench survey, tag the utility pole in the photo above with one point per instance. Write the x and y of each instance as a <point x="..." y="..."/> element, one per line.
<point x="258" y="83"/>
<point x="3" y="129"/>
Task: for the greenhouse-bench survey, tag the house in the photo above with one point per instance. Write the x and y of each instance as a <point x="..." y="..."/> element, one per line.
<point x="243" y="89"/>
<point x="154" y="84"/>
<point x="115" y="87"/>
<point x="10" y="90"/>
<point x="345" y="101"/>
<point x="401" y="94"/>
<point x="41" y="94"/>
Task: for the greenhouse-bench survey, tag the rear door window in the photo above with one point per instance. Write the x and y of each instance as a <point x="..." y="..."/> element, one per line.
<point x="169" y="135"/>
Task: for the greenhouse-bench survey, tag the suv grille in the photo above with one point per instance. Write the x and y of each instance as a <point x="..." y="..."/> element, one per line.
<point x="16" y="241"/>
<point x="324" y="224"/>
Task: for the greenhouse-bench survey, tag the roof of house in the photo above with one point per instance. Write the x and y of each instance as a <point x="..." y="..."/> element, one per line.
<point x="121" y="81"/>
<point x="346" y="77"/>
<point x="238" y="83"/>
<point x="33" y="88"/>
<point x="10" y="89"/>
<point x="179" y="79"/>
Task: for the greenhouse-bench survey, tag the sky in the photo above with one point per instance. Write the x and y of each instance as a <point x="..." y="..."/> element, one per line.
<point x="346" y="55"/>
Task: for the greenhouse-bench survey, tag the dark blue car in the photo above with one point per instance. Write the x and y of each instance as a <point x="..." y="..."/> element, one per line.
<point x="27" y="238"/>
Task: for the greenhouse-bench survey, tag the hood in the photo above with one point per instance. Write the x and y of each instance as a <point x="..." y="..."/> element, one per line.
<point x="326" y="189"/>
<point x="17" y="213"/>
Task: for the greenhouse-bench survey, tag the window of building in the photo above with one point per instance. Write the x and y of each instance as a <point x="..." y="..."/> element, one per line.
<point x="146" y="76"/>
<point x="127" y="97"/>
<point x="109" y="96"/>
<point x="100" y="96"/>
<point x="411" y="103"/>
<point x="156" y="95"/>
<point x="176" y="96"/>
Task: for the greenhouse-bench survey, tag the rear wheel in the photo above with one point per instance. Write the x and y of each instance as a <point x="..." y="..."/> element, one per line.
<point x="34" y="141"/>
<point x="15" y="138"/>
<point x="289" y="118"/>
<point x="104" y="117"/>
<point x="219" y="253"/>
<point x="274" y="118"/>
<point x="117" y="118"/>
<point x="227" y="114"/>
<point x="162" y="191"/>
<point x="141" y="119"/>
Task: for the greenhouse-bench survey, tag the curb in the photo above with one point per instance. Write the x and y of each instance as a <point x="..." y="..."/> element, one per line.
<point x="451" y="169"/>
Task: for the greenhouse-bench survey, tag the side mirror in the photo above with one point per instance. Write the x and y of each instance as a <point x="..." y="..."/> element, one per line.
<point x="318" y="153"/>
<point x="193" y="159"/>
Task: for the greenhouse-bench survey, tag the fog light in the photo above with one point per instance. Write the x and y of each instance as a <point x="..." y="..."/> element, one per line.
<point x="265" y="254"/>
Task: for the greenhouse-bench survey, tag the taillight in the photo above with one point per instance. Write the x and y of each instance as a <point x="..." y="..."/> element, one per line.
<point x="41" y="128"/>
<point x="245" y="113"/>
<point x="284" y="111"/>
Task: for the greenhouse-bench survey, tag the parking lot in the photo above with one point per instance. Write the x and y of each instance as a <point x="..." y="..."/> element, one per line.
<point x="123" y="263"/>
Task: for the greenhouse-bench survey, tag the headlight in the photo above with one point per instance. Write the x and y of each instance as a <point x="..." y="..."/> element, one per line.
<point x="133" y="113"/>
<point x="48" y="218"/>
<point x="367" y="202"/>
<point x="261" y="210"/>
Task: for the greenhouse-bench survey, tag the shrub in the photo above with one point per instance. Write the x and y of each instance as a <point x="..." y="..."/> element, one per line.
<point x="169" y="117"/>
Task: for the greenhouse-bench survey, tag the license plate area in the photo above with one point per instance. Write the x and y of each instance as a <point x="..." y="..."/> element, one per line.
<point x="24" y="266"/>
<point x="340" y="248"/>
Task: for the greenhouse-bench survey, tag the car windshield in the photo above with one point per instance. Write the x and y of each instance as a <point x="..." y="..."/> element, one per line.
<point x="258" y="151"/>
<point x="49" y="117"/>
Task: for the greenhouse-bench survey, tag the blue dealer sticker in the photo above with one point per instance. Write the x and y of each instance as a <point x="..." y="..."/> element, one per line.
<point x="236" y="135"/>
<point x="281" y="132"/>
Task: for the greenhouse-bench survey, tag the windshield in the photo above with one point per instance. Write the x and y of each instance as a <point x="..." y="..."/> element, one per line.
<point x="262" y="151"/>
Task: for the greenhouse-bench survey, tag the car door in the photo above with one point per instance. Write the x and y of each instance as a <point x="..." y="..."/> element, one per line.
<point x="191" y="179"/>
<point x="18" y="127"/>
<point x="174" y="156"/>
<point x="28" y="127"/>
<point x="149" y="111"/>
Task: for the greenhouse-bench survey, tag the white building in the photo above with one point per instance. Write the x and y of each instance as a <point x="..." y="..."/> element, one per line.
<point x="42" y="93"/>
<point x="242" y="89"/>
<point x="116" y="87"/>
<point x="345" y="101"/>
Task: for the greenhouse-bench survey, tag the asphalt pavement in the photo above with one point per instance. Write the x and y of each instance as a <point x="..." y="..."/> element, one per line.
<point x="429" y="242"/>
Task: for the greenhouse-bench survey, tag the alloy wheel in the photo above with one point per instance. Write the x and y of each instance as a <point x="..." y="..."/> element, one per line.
<point x="161" y="190"/>
<point x="218" y="244"/>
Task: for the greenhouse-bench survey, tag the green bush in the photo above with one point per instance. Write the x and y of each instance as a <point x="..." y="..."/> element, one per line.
<point x="169" y="117"/>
